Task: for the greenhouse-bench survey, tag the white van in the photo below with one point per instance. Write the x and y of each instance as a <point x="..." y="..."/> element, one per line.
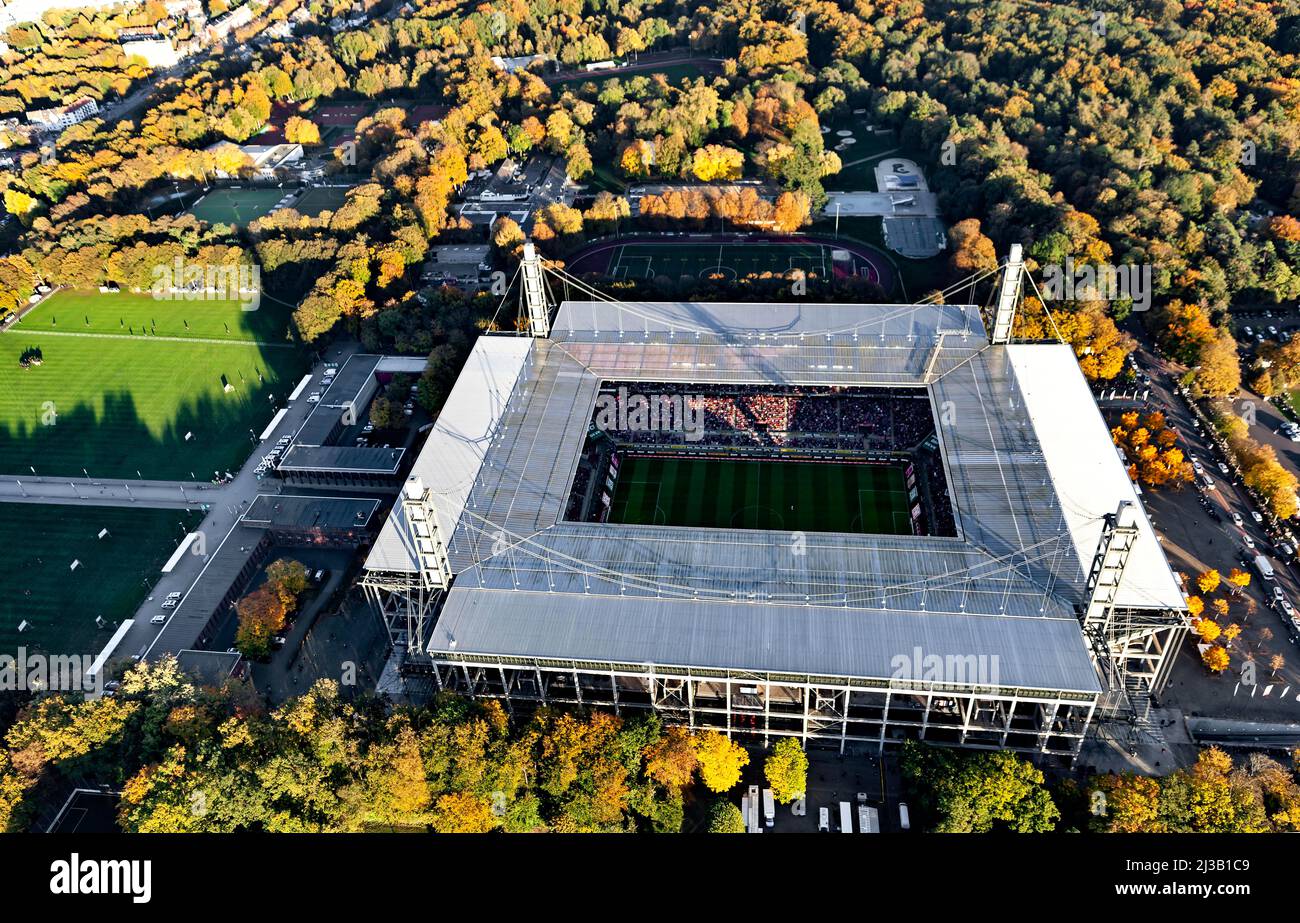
<point x="769" y="808"/>
<point x="823" y="820"/>
<point x="846" y="817"/>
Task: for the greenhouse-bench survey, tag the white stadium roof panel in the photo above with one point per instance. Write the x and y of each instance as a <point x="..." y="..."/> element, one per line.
<point x="1088" y="476"/>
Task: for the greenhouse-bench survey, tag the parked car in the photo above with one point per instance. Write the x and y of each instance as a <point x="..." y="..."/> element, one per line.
<point x="159" y="620"/>
<point x="1236" y="518"/>
<point x="1249" y="542"/>
<point x="1254" y="514"/>
<point x="1287" y="607"/>
<point x="1223" y="469"/>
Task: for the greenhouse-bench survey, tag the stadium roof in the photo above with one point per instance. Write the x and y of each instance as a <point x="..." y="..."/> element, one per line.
<point x="1030" y="469"/>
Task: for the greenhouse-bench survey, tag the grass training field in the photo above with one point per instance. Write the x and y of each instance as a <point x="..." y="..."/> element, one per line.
<point x="140" y="315"/>
<point x="37" y="584"/>
<point x="319" y="199"/>
<point x="711" y="493"/>
<point x="732" y="260"/>
<point x="237" y="206"/>
<point x="114" y="403"/>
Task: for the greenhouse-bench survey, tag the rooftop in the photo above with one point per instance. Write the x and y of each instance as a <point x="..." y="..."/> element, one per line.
<point x="1020" y="435"/>
<point x="281" y="511"/>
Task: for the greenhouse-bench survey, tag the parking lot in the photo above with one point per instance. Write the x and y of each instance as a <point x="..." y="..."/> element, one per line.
<point x="1214" y="524"/>
<point x="858" y="778"/>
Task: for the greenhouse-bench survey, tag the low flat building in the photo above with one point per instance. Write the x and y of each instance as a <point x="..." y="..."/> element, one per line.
<point x="519" y="62"/>
<point x="267" y="158"/>
<point x="61" y="117"/>
<point x="271" y="521"/>
<point x="219" y="29"/>
<point x="461" y="264"/>
<point x="321" y="455"/>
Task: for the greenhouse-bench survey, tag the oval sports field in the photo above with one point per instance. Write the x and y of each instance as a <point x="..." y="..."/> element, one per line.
<point x="733" y="256"/>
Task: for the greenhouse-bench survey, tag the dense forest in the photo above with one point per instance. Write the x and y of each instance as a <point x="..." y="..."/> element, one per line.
<point x="1156" y="133"/>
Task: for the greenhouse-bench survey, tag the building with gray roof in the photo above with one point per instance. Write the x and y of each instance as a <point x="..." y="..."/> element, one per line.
<point x="1051" y="605"/>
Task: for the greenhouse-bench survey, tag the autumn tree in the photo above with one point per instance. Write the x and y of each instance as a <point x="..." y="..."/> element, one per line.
<point x="298" y="130"/>
<point x="1215" y="658"/>
<point x="637" y="159"/>
<point x="786" y="770"/>
<point x="972" y="251"/>
<point x="725" y="817"/>
<point x="1128" y="803"/>
<point x="671" y="760"/>
<point x="720" y="760"/>
<point x="717" y="162"/>
<point x="262" y="614"/>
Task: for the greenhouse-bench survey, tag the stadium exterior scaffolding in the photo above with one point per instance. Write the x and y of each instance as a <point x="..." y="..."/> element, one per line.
<point x="1052" y="607"/>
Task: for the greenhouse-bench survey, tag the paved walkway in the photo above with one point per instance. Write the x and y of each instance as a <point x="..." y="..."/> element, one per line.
<point x="32" y="331"/>
<point x="101" y="492"/>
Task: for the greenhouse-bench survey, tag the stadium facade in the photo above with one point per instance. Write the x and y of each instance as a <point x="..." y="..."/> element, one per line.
<point x="1045" y="605"/>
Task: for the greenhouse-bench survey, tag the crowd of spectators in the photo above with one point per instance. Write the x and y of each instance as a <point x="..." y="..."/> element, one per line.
<point x="808" y="417"/>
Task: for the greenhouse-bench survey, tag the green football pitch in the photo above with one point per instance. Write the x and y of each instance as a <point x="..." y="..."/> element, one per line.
<point x="237" y="206"/>
<point x="710" y="493"/>
<point x="319" y="199"/>
<point x="646" y="261"/>
<point x="38" y="584"/>
<point x="115" y="402"/>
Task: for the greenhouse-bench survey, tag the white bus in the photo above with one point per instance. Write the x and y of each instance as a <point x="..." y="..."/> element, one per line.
<point x="846" y="817"/>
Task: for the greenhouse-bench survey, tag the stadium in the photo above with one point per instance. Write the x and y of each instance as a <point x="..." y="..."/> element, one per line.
<point x="849" y="523"/>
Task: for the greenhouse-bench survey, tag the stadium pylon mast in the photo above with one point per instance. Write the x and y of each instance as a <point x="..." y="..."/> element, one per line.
<point x="1013" y="275"/>
<point x="534" y="297"/>
<point x="425" y="537"/>
<point x="1129" y="647"/>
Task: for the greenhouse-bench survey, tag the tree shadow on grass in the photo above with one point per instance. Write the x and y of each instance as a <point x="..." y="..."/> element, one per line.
<point x="117" y="442"/>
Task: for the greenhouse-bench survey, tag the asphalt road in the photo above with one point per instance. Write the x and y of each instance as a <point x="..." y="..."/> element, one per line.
<point x="1195" y="542"/>
<point x="95" y="492"/>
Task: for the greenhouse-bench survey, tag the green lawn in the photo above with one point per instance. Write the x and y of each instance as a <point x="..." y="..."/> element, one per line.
<point x="859" y="171"/>
<point x="114" y="403"/>
<point x="60" y="604"/>
<point x="754" y="494"/>
<point x="140" y="315"/>
<point x="236" y="206"/>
